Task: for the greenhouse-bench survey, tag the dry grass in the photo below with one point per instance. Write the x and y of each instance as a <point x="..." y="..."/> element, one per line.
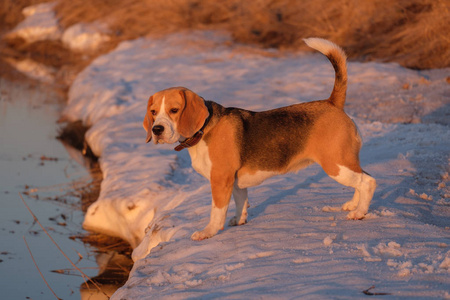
<point x="50" y="53"/>
<point x="411" y="32"/>
<point x="10" y="16"/>
<point x="11" y="12"/>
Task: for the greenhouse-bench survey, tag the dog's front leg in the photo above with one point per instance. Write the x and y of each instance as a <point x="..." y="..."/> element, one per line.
<point x="221" y="187"/>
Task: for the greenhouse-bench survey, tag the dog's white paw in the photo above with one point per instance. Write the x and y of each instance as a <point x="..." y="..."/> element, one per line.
<point x="198" y="236"/>
<point x="350" y="205"/>
<point x="355" y="215"/>
<point x="203" y="235"/>
<point x="235" y="222"/>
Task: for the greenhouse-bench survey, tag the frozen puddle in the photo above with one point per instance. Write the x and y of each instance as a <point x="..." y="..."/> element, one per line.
<point x="33" y="162"/>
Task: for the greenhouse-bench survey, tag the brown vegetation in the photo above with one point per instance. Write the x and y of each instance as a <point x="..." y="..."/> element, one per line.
<point x="50" y="53"/>
<point x="411" y="32"/>
<point x="11" y="12"/>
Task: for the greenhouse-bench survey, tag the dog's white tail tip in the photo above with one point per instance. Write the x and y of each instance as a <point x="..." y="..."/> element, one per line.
<point x="324" y="46"/>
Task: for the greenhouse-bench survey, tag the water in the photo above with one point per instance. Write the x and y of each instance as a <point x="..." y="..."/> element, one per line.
<point x="34" y="163"/>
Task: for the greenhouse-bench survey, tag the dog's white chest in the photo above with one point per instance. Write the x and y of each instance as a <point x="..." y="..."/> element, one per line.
<point x="200" y="159"/>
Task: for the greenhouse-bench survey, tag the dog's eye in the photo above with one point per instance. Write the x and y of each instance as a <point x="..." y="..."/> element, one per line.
<point x="174" y="110"/>
<point x="153" y="112"/>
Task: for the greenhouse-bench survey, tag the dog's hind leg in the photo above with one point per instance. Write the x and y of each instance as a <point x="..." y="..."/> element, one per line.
<point x="241" y="199"/>
<point x="364" y="186"/>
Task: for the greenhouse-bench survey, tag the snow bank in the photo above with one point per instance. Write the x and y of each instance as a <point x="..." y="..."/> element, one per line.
<point x="297" y="243"/>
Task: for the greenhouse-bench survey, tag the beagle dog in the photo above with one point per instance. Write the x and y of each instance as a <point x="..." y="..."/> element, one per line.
<point x="236" y="148"/>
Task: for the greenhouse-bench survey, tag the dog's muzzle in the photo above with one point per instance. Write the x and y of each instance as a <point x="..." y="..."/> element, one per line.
<point x="163" y="132"/>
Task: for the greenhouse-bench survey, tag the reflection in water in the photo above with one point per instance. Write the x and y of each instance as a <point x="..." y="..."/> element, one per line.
<point x="54" y="182"/>
<point x="114" y="270"/>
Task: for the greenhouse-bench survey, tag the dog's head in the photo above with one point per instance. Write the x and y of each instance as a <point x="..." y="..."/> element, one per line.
<point x="174" y="114"/>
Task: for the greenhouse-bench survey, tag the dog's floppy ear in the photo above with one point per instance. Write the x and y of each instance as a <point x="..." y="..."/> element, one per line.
<point x="194" y="113"/>
<point x="148" y="121"/>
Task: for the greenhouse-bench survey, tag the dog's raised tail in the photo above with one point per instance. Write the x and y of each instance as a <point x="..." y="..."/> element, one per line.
<point x="338" y="59"/>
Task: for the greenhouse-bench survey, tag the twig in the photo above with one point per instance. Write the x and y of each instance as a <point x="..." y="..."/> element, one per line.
<point x="71" y="272"/>
<point x="42" y="275"/>
<point x="368" y="293"/>
<point x="80" y="257"/>
<point x="83" y="275"/>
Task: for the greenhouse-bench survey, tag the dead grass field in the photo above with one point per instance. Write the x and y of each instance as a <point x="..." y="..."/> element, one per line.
<point x="413" y="33"/>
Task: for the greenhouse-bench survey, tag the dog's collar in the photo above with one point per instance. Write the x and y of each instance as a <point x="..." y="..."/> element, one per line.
<point x="195" y="139"/>
<point x="190" y="142"/>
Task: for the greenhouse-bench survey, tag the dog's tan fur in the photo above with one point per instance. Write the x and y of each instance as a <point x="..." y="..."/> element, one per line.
<point x="240" y="148"/>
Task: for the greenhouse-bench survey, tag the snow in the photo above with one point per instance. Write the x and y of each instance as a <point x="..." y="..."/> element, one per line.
<point x="40" y="24"/>
<point x="85" y="37"/>
<point x="297" y="242"/>
<point x="33" y="69"/>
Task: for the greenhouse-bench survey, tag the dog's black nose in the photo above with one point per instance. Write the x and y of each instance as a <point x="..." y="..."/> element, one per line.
<point x="158" y="129"/>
